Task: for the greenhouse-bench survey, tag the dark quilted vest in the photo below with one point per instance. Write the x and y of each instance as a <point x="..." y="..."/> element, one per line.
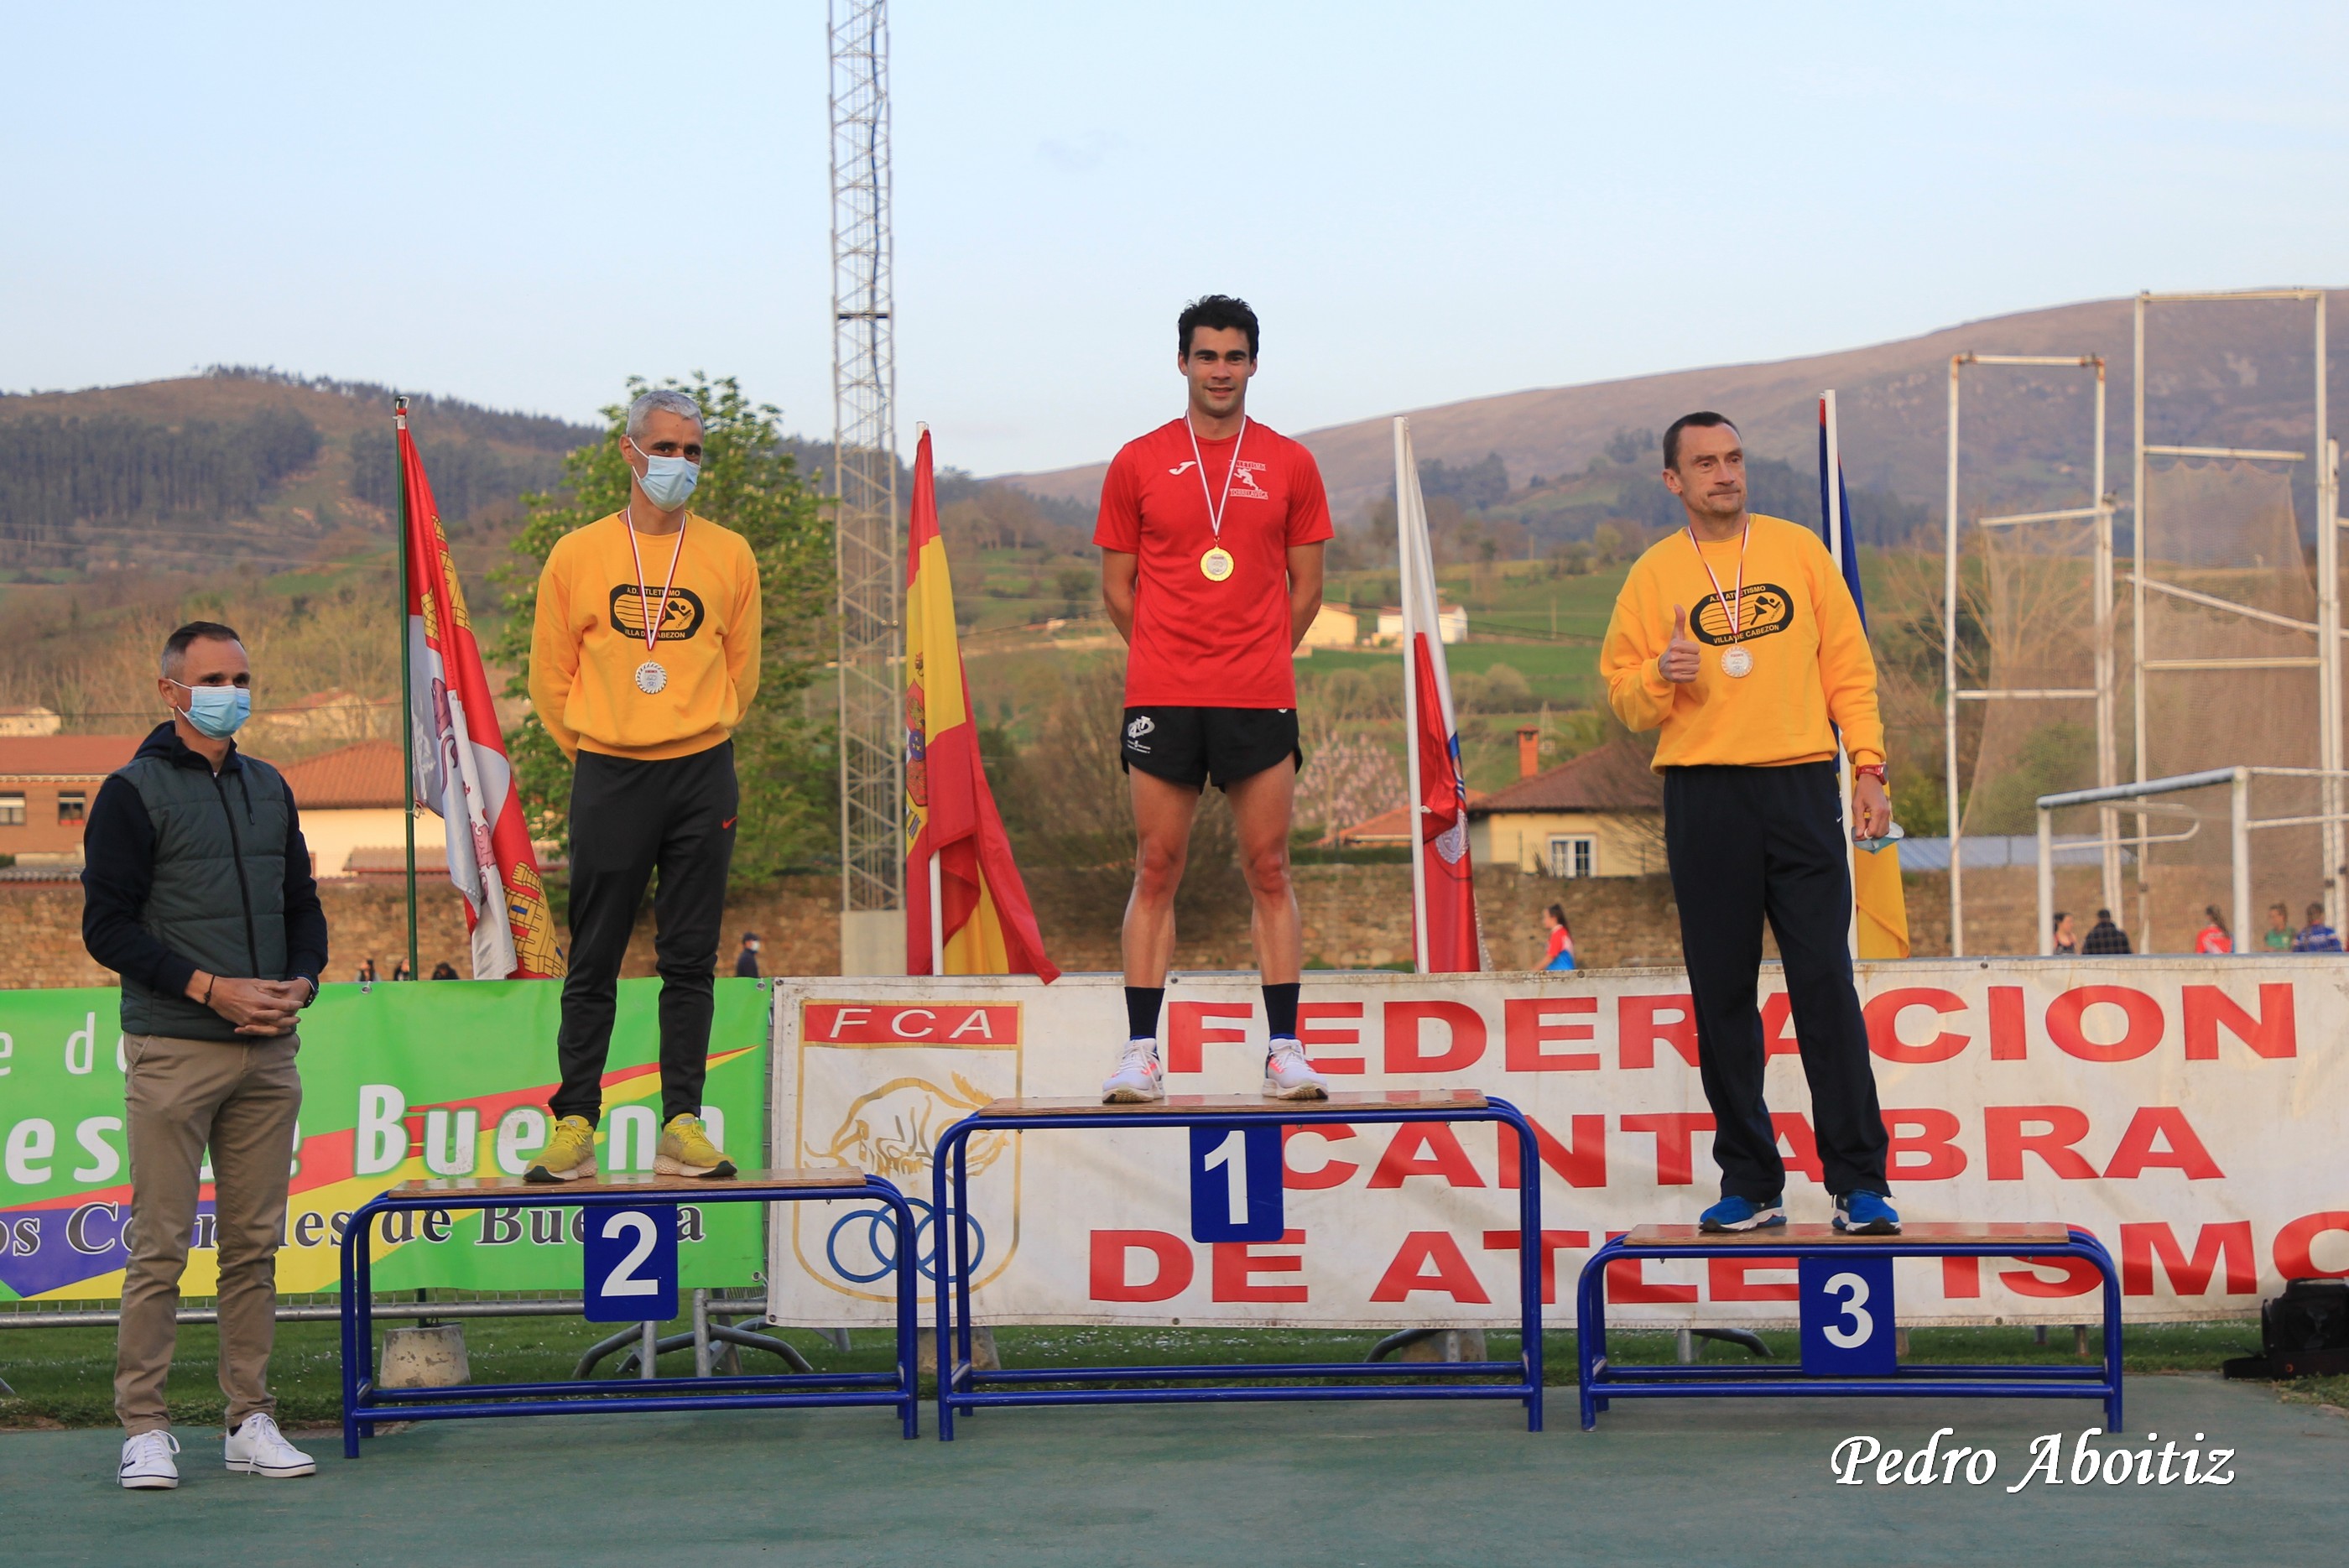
<point x="218" y="894"/>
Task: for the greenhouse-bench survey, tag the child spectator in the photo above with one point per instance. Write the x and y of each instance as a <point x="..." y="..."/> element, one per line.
<point x="2317" y="937"/>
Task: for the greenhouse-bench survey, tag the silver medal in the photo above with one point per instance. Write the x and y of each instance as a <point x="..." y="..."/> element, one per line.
<point x="651" y="678"/>
<point x="1737" y="663"/>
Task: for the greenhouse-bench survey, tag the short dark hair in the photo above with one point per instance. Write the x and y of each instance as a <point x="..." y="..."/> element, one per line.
<point x="175" y="647"/>
<point x="1217" y="312"/>
<point x="1703" y="419"/>
<point x="2061" y="916"/>
<point x="2103" y="914"/>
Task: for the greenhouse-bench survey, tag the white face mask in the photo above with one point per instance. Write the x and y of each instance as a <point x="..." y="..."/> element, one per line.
<point x="667" y="481"/>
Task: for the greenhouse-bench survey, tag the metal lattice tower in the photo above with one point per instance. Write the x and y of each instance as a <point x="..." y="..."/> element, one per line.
<point x="865" y="478"/>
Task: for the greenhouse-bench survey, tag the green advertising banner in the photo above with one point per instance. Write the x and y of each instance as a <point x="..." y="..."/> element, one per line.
<point x="399" y="1082"/>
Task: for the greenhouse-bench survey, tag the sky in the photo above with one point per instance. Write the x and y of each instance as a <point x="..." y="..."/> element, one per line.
<point x="525" y="205"/>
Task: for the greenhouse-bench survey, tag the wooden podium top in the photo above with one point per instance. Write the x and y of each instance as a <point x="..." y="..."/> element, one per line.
<point x="1245" y="1104"/>
<point x="2019" y="1234"/>
<point x="610" y="1181"/>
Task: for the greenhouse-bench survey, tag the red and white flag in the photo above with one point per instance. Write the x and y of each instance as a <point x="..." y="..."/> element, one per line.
<point x="1443" y="883"/>
<point x="462" y="772"/>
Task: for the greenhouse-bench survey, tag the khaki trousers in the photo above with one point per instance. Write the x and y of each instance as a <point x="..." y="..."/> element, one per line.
<point x="241" y="1101"/>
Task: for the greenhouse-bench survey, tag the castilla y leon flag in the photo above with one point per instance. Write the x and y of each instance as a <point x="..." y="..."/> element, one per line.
<point x="459" y="757"/>
<point x="1444" y="884"/>
<point x="1881" y="907"/>
<point x="986" y="926"/>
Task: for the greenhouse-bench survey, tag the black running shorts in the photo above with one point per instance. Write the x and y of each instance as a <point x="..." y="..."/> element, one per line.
<point x="1188" y="746"/>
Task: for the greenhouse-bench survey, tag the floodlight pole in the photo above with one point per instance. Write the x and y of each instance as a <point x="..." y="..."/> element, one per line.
<point x="2137" y="626"/>
<point x="1949" y="680"/>
<point x="2328" y="630"/>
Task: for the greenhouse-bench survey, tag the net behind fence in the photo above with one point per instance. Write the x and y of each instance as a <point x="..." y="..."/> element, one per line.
<point x="2228" y="531"/>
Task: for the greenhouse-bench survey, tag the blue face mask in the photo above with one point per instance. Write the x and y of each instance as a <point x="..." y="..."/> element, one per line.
<point x="667" y="480"/>
<point x="218" y="711"/>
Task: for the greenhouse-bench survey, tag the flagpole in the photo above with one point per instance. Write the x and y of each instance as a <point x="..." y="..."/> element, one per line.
<point x="1406" y="558"/>
<point x="406" y="696"/>
<point x="1831" y="490"/>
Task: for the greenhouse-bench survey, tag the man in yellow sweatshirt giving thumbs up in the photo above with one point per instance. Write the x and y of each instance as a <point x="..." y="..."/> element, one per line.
<point x="1750" y="687"/>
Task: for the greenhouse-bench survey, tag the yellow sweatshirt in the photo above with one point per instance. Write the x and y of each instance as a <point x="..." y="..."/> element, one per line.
<point x="589" y="640"/>
<point x="1811" y="663"/>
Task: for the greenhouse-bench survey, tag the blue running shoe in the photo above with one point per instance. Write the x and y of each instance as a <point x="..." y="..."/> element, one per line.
<point x="1866" y="1214"/>
<point x="1743" y="1214"/>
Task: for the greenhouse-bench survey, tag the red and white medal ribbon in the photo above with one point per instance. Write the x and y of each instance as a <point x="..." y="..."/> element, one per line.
<point x="650" y="676"/>
<point x="1736" y="662"/>
<point x="1217" y="564"/>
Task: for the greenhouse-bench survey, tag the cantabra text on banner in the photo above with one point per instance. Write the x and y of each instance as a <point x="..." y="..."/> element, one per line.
<point x="2193" y="1113"/>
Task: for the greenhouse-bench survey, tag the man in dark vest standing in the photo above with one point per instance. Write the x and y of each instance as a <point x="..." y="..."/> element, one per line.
<point x="197" y="892"/>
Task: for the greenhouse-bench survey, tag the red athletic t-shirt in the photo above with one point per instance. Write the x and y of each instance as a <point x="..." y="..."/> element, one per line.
<point x="1200" y="644"/>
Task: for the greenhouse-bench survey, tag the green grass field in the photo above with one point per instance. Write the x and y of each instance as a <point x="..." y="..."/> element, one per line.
<point x="65" y="1376"/>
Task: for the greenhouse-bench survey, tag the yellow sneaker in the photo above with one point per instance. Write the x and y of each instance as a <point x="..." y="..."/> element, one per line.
<point x="569" y="1154"/>
<point x="686" y="1150"/>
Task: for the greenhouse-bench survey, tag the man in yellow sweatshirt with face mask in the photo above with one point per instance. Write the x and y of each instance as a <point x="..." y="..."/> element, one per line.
<point x="1736" y="637"/>
<point x="644" y="657"/>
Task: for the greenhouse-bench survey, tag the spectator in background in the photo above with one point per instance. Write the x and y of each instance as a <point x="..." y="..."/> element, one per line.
<point x="367" y="975"/>
<point x="2104" y="938"/>
<point x="1561" y="939"/>
<point x="444" y="969"/>
<point x="399" y="970"/>
<point x="2277" y="938"/>
<point x="746" y="961"/>
<point x="2213" y="938"/>
<point x="198" y="893"/>
<point x="2317" y="937"/>
<point x="2067" y="942"/>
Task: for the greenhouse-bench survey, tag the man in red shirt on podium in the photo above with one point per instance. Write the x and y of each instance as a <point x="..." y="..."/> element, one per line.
<point x="1211" y="532"/>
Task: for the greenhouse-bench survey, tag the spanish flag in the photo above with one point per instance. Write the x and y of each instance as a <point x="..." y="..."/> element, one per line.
<point x="950" y="815"/>
<point x="1880" y="906"/>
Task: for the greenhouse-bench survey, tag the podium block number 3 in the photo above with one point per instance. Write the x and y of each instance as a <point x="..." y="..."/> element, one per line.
<point x="631" y="1257"/>
<point x="1236" y="1184"/>
<point x="1847" y="1326"/>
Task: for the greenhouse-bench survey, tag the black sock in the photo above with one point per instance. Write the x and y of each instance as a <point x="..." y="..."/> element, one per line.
<point x="1142" y="1004"/>
<point x="1280" y="1011"/>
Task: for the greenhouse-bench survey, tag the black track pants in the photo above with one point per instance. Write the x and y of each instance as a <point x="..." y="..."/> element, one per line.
<point x="1744" y="843"/>
<point x="629" y="819"/>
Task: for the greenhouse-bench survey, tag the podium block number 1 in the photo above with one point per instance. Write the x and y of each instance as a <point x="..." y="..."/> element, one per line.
<point x="631" y="1258"/>
<point x="1236" y="1184"/>
<point x="1848" y="1327"/>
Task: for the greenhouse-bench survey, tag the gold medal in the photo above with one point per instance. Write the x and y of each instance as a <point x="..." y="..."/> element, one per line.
<point x="1216" y="565"/>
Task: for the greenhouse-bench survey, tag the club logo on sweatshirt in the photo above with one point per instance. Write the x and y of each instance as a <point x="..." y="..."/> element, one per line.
<point x="631" y="604"/>
<point x="1767" y="610"/>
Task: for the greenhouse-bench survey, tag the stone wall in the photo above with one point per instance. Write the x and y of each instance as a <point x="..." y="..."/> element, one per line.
<point x="1355" y="916"/>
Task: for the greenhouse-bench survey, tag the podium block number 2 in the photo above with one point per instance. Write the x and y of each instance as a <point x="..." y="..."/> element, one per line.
<point x="1847" y="1326"/>
<point x="631" y="1257"/>
<point x="1236" y="1184"/>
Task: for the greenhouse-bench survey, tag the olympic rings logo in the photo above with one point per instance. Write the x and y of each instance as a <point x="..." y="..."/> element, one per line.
<point x="879" y="1242"/>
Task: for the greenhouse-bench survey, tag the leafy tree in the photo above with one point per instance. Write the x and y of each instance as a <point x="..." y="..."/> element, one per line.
<point x="751" y="483"/>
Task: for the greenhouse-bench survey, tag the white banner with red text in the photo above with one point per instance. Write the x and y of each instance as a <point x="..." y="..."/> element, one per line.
<point x="2193" y="1113"/>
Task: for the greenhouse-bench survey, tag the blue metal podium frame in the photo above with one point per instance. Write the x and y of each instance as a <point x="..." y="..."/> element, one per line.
<point x="962" y="1386"/>
<point x="364" y="1404"/>
<point x="1602" y="1381"/>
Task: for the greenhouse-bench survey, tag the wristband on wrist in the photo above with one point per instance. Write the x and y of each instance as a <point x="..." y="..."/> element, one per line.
<point x="1873" y="770"/>
<point x="210" y="981"/>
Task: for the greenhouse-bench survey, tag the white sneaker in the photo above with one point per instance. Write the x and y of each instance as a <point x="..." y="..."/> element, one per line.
<point x="1287" y="1076"/>
<point x="1138" y="1078"/>
<point x="147" y="1461"/>
<point x="259" y="1449"/>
